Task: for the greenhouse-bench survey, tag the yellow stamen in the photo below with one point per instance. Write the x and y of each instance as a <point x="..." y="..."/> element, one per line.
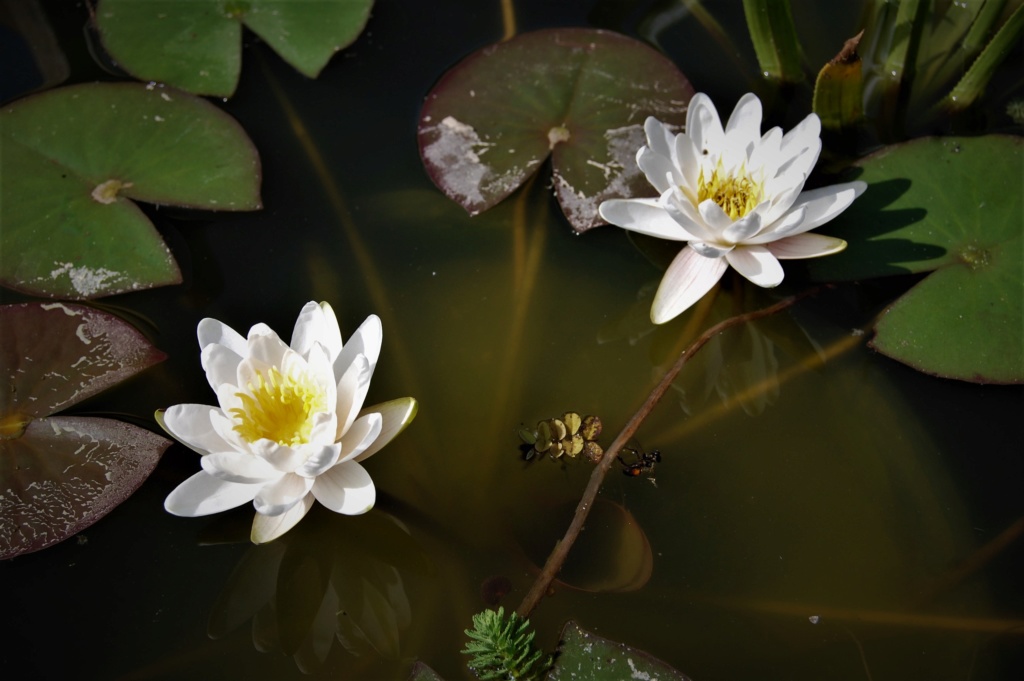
<point x="736" y="194"/>
<point x="279" y="408"/>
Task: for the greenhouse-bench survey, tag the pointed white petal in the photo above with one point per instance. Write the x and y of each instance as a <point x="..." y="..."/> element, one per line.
<point x="395" y="416"/>
<point x="687" y="162"/>
<point x="282" y="494"/>
<point x="332" y="332"/>
<point x="191" y="425"/>
<point x="352" y="388"/>
<point x="789" y="223"/>
<point x="742" y="229"/>
<point x="365" y="341"/>
<point x="743" y="131"/>
<point x="269" y="350"/>
<point x="825" y="203"/>
<point x="269" y="527"/>
<point x="645" y="216"/>
<point x="657" y="168"/>
<point x="282" y="457"/>
<point x="714" y="217"/>
<point x="347" y="488"/>
<point x="757" y="264"/>
<point x="767" y="154"/>
<point x="203" y="494"/>
<point x="259" y="329"/>
<point x="659" y="138"/>
<point x="310" y="327"/>
<point x="703" y="125"/>
<point x="319" y="460"/>
<point x="805" y="246"/>
<point x="710" y="250"/>
<point x="211" y="331"/>
<point x="802" y="136"/>
<point x="240" y="467"/>
<point x="220" y="364"/>
<point x="361" y="435"/>
<point x="686" y="281"/>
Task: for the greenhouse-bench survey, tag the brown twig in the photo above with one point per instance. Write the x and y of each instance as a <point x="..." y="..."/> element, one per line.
<point x="558" y="555"/>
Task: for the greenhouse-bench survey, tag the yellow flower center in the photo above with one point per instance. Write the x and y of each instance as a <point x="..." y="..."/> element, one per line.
<point x="736" y="194"/>
<point x="280" y="408"/>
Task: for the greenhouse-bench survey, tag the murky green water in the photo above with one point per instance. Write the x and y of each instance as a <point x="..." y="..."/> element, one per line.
<point x="803" y="476"/>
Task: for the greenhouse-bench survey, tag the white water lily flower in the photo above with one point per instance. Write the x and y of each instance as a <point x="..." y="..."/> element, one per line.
<point x="734" y="195"/>
<point x="290" y="427"/>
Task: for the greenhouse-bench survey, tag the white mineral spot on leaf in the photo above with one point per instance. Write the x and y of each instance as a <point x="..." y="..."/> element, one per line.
<point x="84" y="280"/>
<point x="166" y="97"/>
<point x="61" y="306"/>
<point x="456" y="154"/>
<point x="557" y="134"/>
<point x="80" y="332"/>
<point x="619" y="171"/>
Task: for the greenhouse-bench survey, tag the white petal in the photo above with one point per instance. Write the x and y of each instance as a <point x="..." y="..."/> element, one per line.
<point x="767" y="152"/>
<point x="220" y="364"/>
<point x="269" y="527"/>
<point x="203" y="494"/>
<point x="687" y="162"/>
<point x="805" y="246"/>
<point x="347" y="488"/>
<point x="282" y="494"/>
<point x="352" y="388"/>
<point x="714" y="217"/>
<point x="657" y="168"/>
<point x="789" y="223"/>
<point x="191" y="424"/>
<point x="211" y="331"/>
<point x="703" y="125"/>
<point x="686" y="281"/>
<point x="320" y="460"/>
<point x="683" y="211"/>
<point x="825" y="203"/>
<point x="240" y="467"/>
<point x="310" y="327"/>
<point x="744" y="228"/>
<point x="361" y="435"/>
<point x="268" y="350"/>
<point x="365" y="341"/>
<point x="802" y="136"/>
<point x="225" y="427"/>
<point x="332" y="332"/>
<point x="395" y="416"/>
<point x="710" y="249"/>
<point x="757" y="264"/>
<point x="660" y="139"/>
<point x="318" y="364"/>
<point x="743" y="131"/>
<point x="282" y="457"/>
<point x="645" y="216"/>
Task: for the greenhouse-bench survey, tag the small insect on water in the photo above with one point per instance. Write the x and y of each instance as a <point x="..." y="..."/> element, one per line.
<point x="643" y="461"/>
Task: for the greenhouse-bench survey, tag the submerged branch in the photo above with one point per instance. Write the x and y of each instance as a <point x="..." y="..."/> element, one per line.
<point x="561" y="551"/>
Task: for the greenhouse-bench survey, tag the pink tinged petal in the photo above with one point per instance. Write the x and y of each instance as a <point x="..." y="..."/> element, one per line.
<point x="645" y="216"/>
<point x="365" y="341"/>
<point x="211" y="331"/>
<point x="660" y="139"/>
<point x="320" y="460"/>
<point x="742" y="229"/>
<point x="757" y="264"/>
<point x="282" y="494"/>
<point x="714" y="217"/>
<point x="191" y="425"/>
<point x="352" y="390"/>
<point x="269" y="527"/>
<point x="310" y="327"/>
<point x="395" y="416"/>
<point x="361" y="435"/>
<point x="710" y="250"/>
<point x="687" y="279"/>
<point x="240" y="467"/>
<point x="802" y="246"/>
<point x="347" y="488"/>
<point x="203" y="494"/>
<point x="220" y="364"/>
<point x="657" y="168"/>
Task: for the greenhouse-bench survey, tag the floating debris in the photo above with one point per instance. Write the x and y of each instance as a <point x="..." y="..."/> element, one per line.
<point x="568" y="436"/>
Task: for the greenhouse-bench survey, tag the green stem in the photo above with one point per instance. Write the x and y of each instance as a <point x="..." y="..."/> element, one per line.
<point x="773" y="33"/>
<point x="972" y="85"/>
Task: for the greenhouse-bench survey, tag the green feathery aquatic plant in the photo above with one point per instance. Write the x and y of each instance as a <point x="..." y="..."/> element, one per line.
<point x="503" y="649"/>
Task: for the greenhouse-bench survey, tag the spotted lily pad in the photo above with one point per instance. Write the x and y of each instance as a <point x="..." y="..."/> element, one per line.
<point x="72" y="160"/>
<point x="952" y="205"/>
<point x="577" y="95"/>
<point x="60" y="474"/>
<point x="584" y="655"/>
<point x="197" y="45"/>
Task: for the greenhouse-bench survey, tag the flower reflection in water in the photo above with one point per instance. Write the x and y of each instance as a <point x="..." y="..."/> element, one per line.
<point x="331" y="579"/>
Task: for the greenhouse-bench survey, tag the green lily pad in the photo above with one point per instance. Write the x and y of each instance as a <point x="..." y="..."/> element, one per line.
<point x="952" y="205"/>
<point x="583" y="655"/>
<point x="578" y="95"/>
<point x="73" y="157"/>
<point x="197" y="45"/>
<point x="58" y="475"/>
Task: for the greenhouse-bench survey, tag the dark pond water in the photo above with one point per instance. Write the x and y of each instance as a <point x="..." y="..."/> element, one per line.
<point x="818" y="513"/>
